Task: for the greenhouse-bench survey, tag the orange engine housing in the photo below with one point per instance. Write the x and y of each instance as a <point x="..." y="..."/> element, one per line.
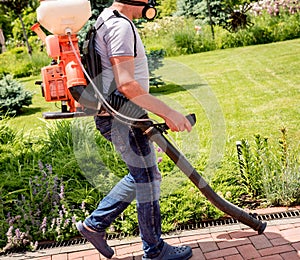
<point x="65" y="71"/>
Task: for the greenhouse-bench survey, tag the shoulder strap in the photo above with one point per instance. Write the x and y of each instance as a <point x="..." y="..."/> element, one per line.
<point x="117" y="14"/>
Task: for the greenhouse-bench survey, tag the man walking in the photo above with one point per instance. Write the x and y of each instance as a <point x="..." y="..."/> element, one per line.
<point x="124" y="65"/>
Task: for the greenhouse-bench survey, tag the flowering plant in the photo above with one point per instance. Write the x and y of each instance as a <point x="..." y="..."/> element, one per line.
<point x="41" y="213"/>
<point x="276" y="7"/>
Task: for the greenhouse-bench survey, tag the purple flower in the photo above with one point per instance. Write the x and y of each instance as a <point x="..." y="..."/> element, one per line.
<point x="35" y="245"/>
<point x="61" y="194"/>
<point x="159" y="159"/>
<point x="11" y="221"/>
<point x="44" y="225"/>
<point x="64" y="209"/>
<point x="66" y="223"/>
<point x="53" y="223"/>
<point x="9" y="232"/>
<point x="83" y="205"/>
<point x="41" y="166"/>
<point x="18" y="233"/>
<point x="49" y="168"/>
<point x="159" y="150"/>
<point x="61" y="214"/>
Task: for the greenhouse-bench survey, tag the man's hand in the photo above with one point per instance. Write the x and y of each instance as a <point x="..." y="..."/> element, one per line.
<point x="177" y="122"/>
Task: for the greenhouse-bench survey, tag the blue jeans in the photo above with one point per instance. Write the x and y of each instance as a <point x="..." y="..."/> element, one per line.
<point x="142" y="183"/>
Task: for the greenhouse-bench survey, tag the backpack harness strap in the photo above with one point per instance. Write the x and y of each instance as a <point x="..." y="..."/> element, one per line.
<point x="117" y="14"/>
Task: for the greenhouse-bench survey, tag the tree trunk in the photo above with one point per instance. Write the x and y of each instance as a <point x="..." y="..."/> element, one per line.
<point x="2" y="42"/>
<point x="25" y="36"/>
<point x="210" y="19"/>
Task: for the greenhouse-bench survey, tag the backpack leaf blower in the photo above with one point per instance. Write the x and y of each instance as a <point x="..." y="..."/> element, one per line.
<point x="64" y="80"/>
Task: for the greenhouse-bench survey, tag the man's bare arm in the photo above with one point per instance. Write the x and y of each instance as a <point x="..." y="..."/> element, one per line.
<point x="123" y="68"/>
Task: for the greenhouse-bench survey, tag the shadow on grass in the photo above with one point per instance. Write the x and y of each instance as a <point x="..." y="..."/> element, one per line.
<point x="172" y="88"/>
<point x="27" y="111"/>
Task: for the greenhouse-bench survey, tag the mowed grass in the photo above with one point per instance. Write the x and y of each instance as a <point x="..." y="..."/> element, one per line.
<point x="257" y="88"/>
<point x="31" y="119"/>
<point x="235" y="93"/>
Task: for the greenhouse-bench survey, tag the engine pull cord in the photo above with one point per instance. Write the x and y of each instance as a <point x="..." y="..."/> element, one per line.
<point x="112" y="110"/>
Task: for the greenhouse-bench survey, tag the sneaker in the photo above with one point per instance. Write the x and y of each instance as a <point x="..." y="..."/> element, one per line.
<point x="173" y="253"/>
<point x="97" y="239"/>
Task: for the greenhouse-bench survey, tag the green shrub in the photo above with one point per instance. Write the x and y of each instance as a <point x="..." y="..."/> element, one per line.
<point x="177" y="35"/>
<point x="13" y="96"/>
<point x="184" y="41"/>
<point x="17" y="62"/>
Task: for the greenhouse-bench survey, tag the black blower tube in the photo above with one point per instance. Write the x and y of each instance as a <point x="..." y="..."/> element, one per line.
<point x="182" y="163"/>
<point x="83" y="97"/>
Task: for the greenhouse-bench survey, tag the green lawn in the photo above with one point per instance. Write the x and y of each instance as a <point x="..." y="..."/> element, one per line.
<point x="257" y="87"/>
<point x="235" y="93"/>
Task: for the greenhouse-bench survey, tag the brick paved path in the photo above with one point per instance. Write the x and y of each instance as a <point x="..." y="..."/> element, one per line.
<point x="281" y="240"/>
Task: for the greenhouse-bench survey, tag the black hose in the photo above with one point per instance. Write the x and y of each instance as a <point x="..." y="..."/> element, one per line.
<point x="183" y="164"/>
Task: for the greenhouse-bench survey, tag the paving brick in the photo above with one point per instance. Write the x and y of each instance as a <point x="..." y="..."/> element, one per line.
<point x="79" y="254"/>
<point x="221" y="253"/>
<point x="128" y="249"/>
<point x="233" y="242"/>
<point x="291" y="256"/>
<point x="272" y="232"/>
<point x="279" y="241"/>
<point x="193" y="238"/>
<point x="173" y="241"/>
<point x="220" y="236"/>
<point x="293" y="237"/>
<point x="92" y="257"/>
<point x="287" y="234"/>
<point x="138" y="254"/>
<point x="207" y="246"/>
<point x="296" y="246"/>
<point x="204" y="237"/>
<point x="297" y="224"/>
<point x="272" y="257"/>
<point x="260" y="241"/>
<point x="192" y="244"/>
<point x="126" y="257"/>
<point x="137" y="258"/>
<point x="234" y="257"/>
<point x="248" y="251"/>
<point x="45" y="258"/>
<point x="285" y="226"/>
<point x="241" y="234"/>
<point x="60" y="257"/>
<point x="197" y="254"/>
<point x="276" y="250"/>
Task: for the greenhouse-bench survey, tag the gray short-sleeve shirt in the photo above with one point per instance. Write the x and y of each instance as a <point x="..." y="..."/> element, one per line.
<point x="116" y="38"/>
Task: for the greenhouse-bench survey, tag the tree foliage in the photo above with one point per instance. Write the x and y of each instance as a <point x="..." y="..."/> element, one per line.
<point x="98" y="5"/>
<point x="166" y="7"/>
<point x="16" y="8"/>
<point x="202" y="10"/>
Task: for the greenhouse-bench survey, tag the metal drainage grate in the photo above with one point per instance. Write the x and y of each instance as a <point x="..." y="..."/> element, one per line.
<point x="197" y="225"/>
